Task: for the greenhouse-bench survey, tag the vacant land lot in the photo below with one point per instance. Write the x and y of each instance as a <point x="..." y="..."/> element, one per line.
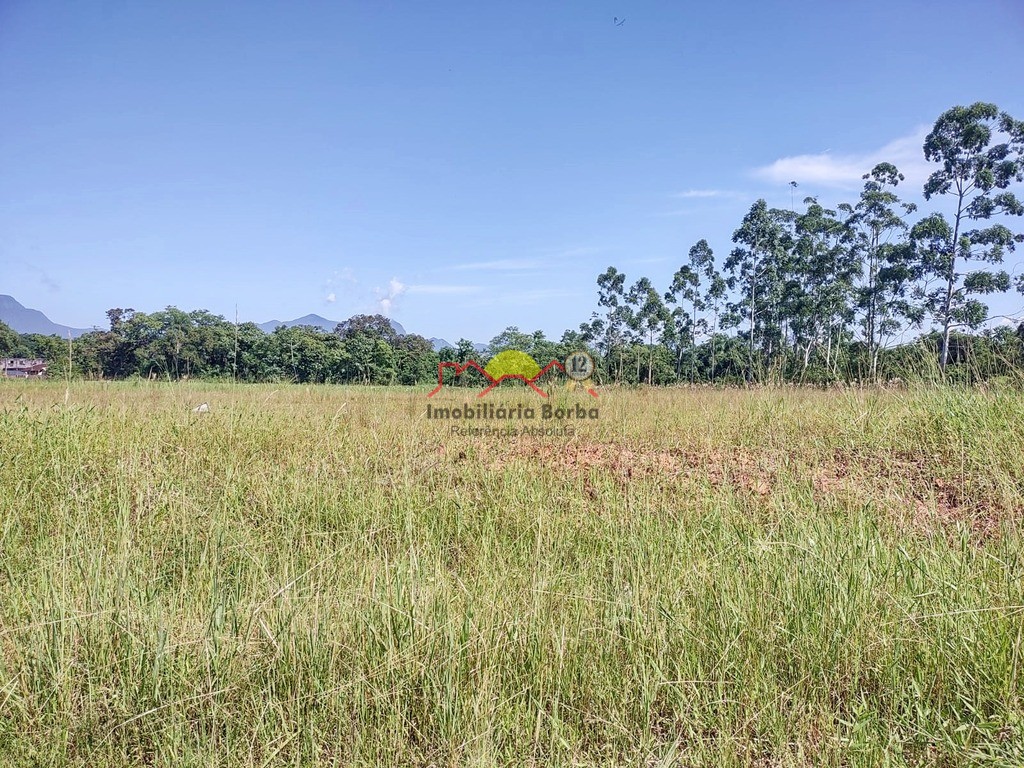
<point x="323" y="575"/>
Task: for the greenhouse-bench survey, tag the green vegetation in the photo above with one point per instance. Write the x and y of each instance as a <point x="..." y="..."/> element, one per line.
<point x="319" y="575"/>
<point x="701" y="576"/>
<point x="820" y="296"/>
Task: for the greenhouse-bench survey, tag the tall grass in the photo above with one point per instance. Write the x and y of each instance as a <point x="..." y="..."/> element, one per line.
<point x="316" y="575"/>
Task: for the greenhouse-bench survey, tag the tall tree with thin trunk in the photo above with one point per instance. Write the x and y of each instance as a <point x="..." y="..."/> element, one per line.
<point x="878" y="228"/>
<point x="649" y="318"/>
<point x="611" y="285"/>
<point x="979" y="150"/>
<point x="753" y="269"/>
<point x="685" y="290"/>
<point x="821" y="284"/>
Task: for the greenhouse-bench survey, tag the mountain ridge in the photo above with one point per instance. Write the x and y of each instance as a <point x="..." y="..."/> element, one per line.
<point x="24" y="319"/>
<point x="318" y="321"/>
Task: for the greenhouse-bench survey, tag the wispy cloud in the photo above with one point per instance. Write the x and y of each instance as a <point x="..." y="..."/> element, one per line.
<point x="525" y="297"/>
<point x="342" y="280"/>
<point x="45" y="278"/>
<point x="699" y="193"/>
<point x="572" y="253"/>
<point x="529" y="263"/>
<point x="845" y="170"/>
<point x="387" y="298"/>
<point x="509" y="265"/>
<point x="698" y="201"/>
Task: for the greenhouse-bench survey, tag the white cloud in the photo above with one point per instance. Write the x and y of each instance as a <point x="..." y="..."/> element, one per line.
<point x="341" y="281"/>
<point x="388" y="297"/>
<point x="386" y="302"/>
<point x="846" y="170"/>
<point x="691" y="193"/>
<point x="524" y="264"/>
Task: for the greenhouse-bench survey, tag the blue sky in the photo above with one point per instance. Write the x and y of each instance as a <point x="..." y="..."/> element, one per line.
<point x="463" y="166"/>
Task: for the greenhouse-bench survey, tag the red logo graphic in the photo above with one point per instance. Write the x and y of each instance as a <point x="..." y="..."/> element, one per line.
<point x="512" y="364"/>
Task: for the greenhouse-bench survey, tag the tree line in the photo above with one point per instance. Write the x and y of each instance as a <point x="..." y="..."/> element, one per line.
<point x="822" y="294"/>
<point x="815" y="296"/>
<point x="174" y="344"/>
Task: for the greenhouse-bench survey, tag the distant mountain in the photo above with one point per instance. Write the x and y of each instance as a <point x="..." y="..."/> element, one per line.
<point x="440" y="344"/>
<point x="316" y="321"/>
<point x="25" y="320"/>
<point x="329" y="325"/>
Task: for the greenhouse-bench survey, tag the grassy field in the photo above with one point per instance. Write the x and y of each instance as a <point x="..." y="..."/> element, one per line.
<point x="321" y="575"/>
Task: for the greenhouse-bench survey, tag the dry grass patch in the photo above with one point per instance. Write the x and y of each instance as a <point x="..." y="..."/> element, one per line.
<point x="321" y="575"/>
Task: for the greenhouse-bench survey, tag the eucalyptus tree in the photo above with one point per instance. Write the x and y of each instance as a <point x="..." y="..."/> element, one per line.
<point x="611" y="296"/>
<point x="878" y="228"/>
<point x="754" y="268"/>
<point x="714" y="301"/>
<point x="649" y="318"/>
<point x="981" y="153"/>
<point x="591" y="333"/>
<point x="684" y="325"/>
<point x="821" y="283"/>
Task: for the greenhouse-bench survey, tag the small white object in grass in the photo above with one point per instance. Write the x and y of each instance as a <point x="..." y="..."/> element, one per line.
<point x="202" y="408"/>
